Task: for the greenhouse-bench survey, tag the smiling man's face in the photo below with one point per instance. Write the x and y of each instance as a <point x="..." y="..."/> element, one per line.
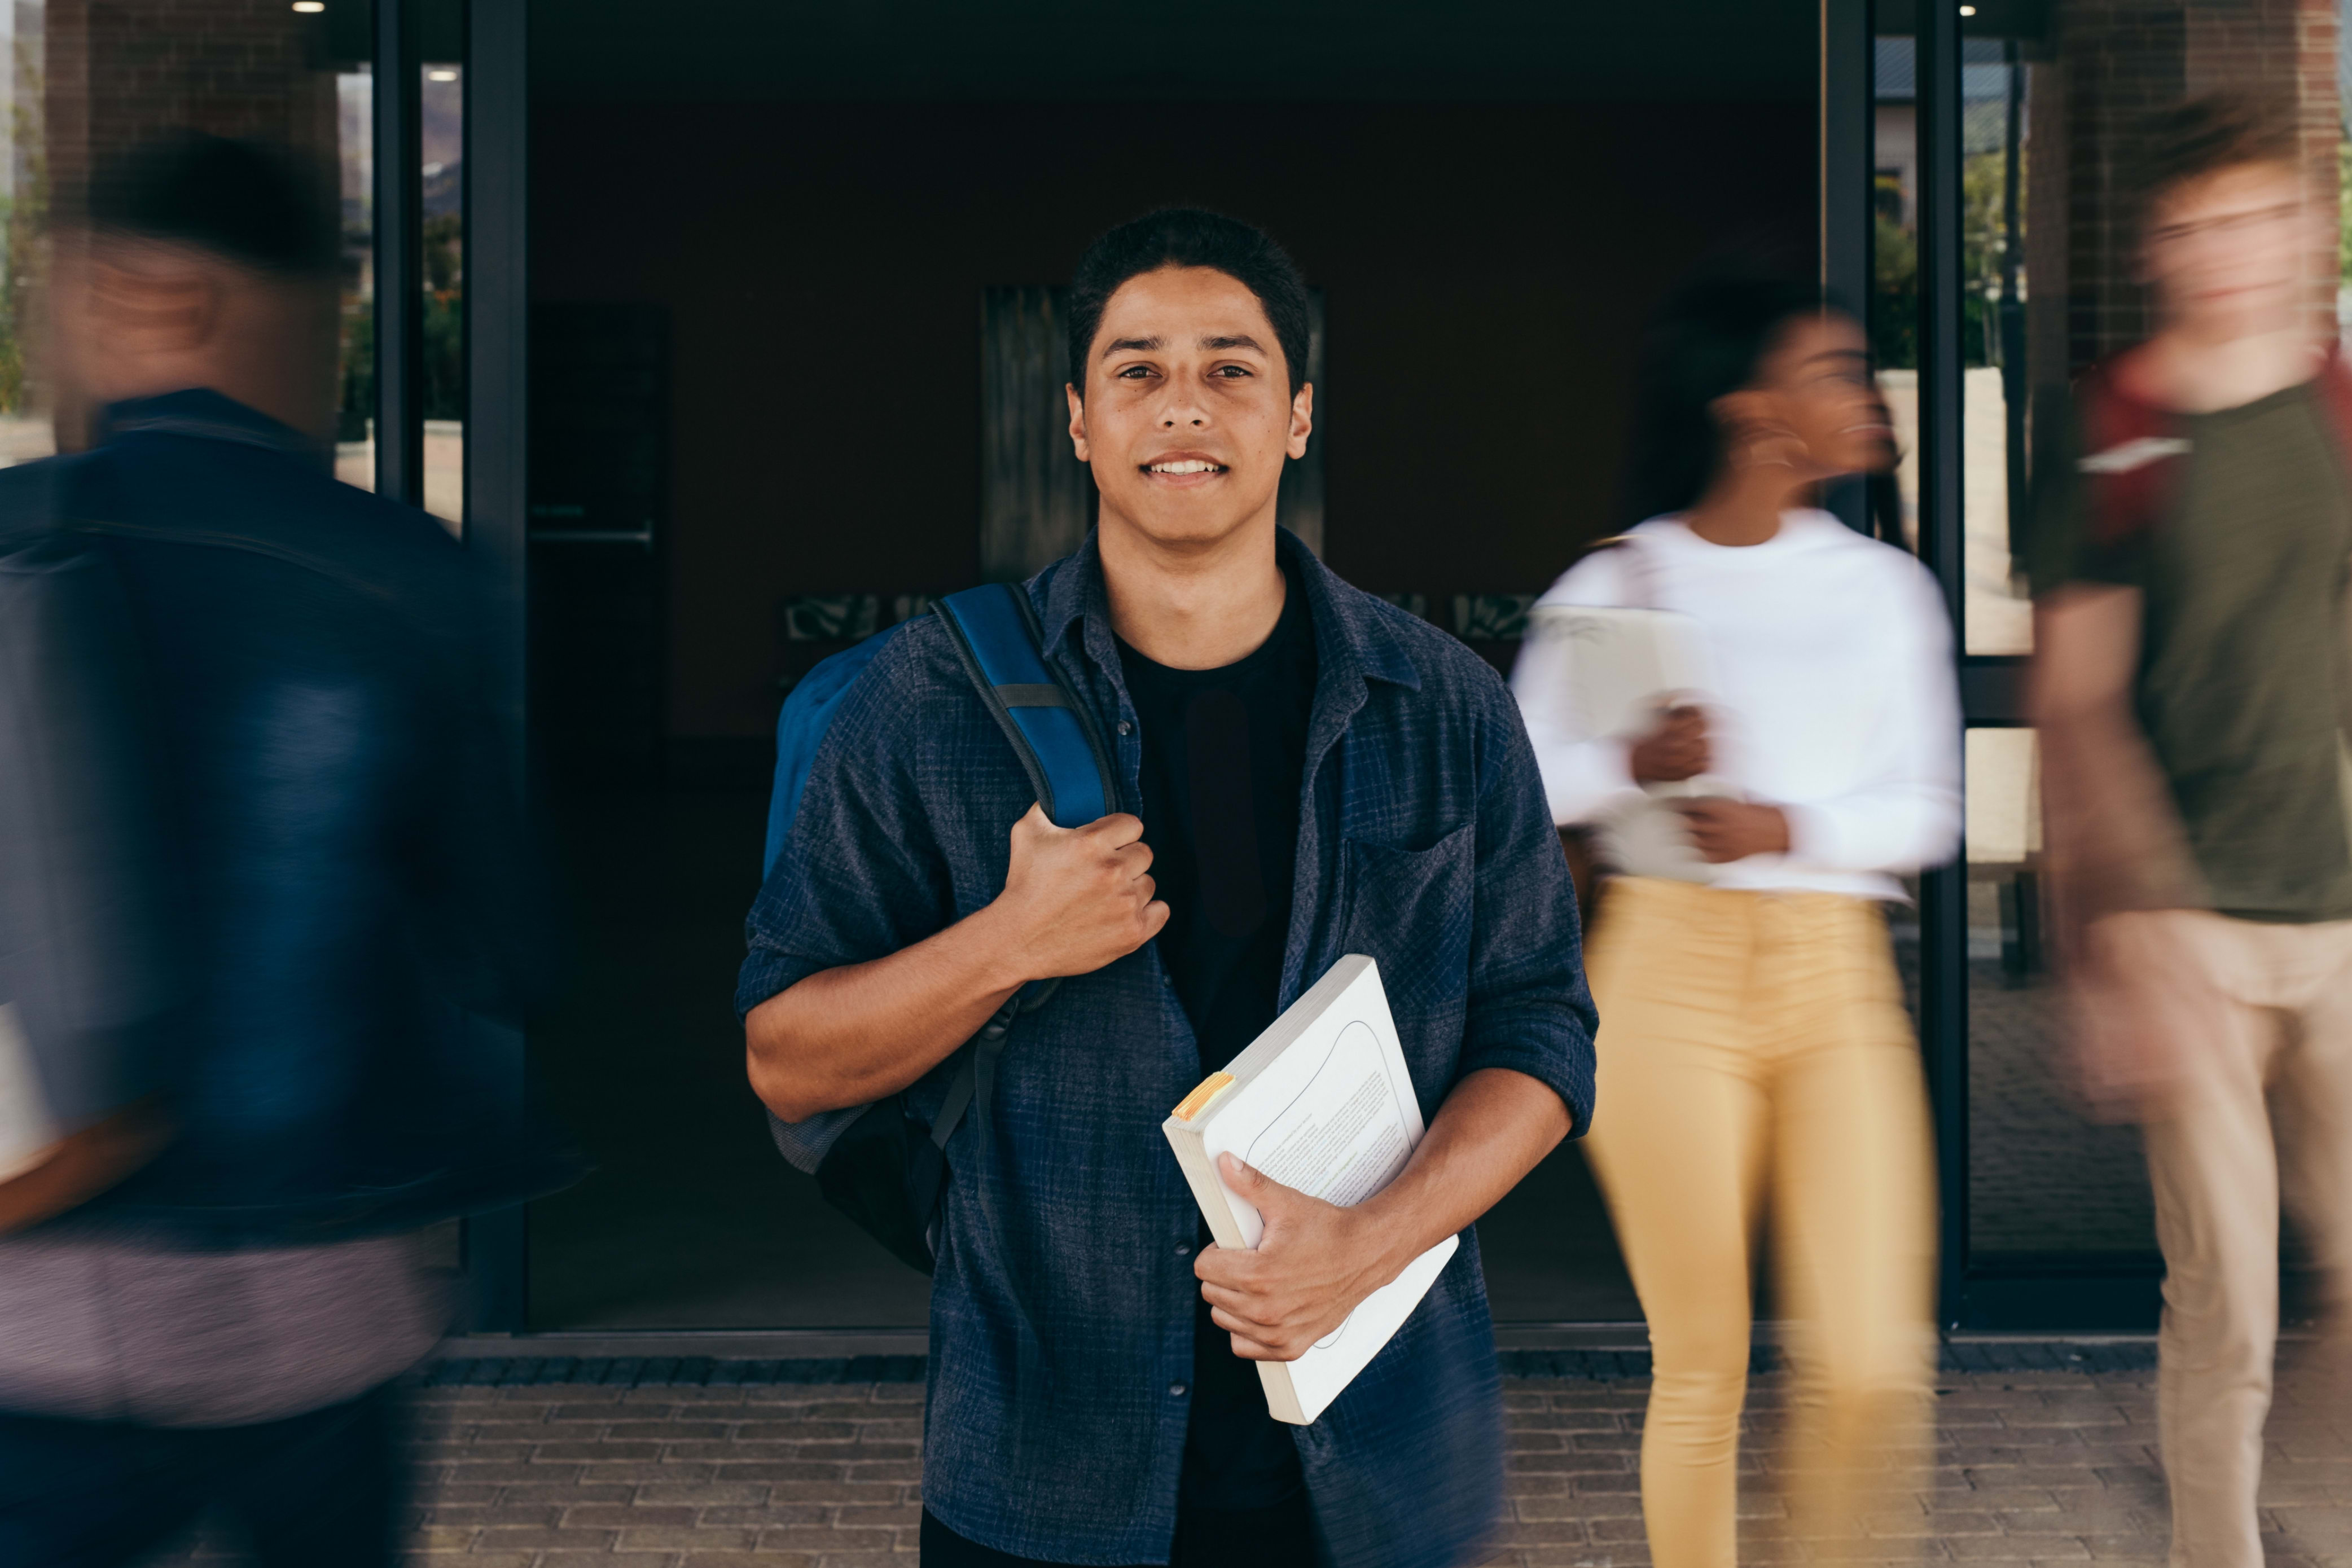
<point x="1188" y="412"/>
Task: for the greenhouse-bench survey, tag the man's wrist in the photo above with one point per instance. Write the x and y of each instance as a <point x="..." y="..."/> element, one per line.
<point x="997" y="950"/>
<point x="1388" y="1227"/>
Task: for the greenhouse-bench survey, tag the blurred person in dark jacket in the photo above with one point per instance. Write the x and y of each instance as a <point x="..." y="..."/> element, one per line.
<point x="2191" y="687"/>
<point x="218" y="1328"/>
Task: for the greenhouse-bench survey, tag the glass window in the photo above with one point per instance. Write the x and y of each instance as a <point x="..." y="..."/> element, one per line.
<point x="355" y="146"/>
<point x="442" y="128"/>
<point x="1996" y="617"/>
<point x="1895" y="275"/>
<point x="2043" y="1181"/>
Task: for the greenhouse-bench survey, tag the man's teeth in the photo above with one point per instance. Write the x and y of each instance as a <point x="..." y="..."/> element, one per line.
<point x="1188" y="466"/>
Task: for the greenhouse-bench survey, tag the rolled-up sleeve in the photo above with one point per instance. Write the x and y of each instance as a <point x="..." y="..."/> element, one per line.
<point x="860" y="876"/>
<point x="1529" y="1008"/>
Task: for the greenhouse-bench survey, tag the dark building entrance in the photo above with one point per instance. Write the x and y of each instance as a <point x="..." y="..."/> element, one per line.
<point x="725" y="334"/>
<point x="841" y="249"/>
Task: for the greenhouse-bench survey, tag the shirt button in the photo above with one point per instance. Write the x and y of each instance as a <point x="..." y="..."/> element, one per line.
<point x="1184" y="1251"/>
<point x="1125" y="728"/>
<point x="1177" y="1389"/>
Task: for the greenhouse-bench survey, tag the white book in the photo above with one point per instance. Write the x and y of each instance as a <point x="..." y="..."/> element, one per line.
<point x="1624" y="666"/>
<point x="1321" y="1103"/>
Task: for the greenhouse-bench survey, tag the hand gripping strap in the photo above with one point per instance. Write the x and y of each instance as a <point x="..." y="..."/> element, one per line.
<point x="995" y="635"/>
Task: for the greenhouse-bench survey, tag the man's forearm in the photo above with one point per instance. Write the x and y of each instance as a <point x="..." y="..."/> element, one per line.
<point x="847" y="1036"/>
<point x="2114" y="831"/>
<point x="1494" y="1127"/>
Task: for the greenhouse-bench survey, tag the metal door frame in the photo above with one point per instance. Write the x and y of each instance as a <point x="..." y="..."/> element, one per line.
<point x="2064" y="1294"/>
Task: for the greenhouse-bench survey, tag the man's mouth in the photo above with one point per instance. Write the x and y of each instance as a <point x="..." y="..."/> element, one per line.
<point x="1183" y="465"/>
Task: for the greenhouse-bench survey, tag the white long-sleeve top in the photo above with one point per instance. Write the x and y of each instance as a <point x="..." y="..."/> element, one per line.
<point x="1838" y="700"/>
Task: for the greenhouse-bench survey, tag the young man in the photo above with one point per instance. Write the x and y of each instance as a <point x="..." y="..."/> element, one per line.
<point x="2190" y="688"/>
<point x="220" y="1332"/>
<point x="1305" y="772"/>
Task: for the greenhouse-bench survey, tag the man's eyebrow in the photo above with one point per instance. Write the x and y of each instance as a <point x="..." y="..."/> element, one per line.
<point x="1837" y="354"/>
<point x="1233" y="340"/>
<point x="1142" y="345"/>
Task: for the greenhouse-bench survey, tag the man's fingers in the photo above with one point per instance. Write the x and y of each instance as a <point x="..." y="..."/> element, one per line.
<point x="1116" y="830"/>
<point x="1155" y="915"/>
<point x="1230" y="1266"/>
<point x="1248" y="1345"/>
<point x="1240" y="1314"/>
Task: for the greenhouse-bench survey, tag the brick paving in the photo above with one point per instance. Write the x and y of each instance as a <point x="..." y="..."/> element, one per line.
<point x="2029" y="1466"/>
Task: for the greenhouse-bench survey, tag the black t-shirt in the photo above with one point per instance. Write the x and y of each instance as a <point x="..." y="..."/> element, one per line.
<point x="1224" y="755"/>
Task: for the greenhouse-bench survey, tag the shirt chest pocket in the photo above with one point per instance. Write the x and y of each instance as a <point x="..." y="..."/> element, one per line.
<point x="1410" y="910"/>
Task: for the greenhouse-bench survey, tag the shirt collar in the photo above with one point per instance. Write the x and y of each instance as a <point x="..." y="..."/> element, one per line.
<point x="206" y="415"/>
<point x="1349" y="638"/>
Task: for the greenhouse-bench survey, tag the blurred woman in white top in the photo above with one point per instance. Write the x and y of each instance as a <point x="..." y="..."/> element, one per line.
<point x="1755" y="1058"/>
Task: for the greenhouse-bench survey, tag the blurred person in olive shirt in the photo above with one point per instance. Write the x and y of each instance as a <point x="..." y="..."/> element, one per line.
<point x="2190" y="566"/>
<point x="217" y="1329"/>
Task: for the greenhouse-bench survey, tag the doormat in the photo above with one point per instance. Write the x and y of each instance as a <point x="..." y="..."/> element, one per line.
<point x="1571" y="1366"/>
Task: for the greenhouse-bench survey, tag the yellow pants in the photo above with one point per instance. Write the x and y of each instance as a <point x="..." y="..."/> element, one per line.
<point x="1756" y="1063"/>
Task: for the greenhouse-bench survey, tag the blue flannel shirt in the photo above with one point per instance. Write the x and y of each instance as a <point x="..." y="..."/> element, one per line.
<point x="1062" y="1306"/>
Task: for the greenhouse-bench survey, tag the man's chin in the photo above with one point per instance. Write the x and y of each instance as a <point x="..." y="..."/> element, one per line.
<point x="1170" y="524"/>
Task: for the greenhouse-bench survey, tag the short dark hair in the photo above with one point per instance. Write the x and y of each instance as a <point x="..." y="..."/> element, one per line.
<point x="2203" y="136"/>
<point x="242" y="201"/>
<point x="1188" y="237"/>
<point x="1704" y="342"/>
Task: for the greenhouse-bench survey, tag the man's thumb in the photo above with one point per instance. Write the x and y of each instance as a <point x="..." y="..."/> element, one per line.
<point x="1248" y="1180"/>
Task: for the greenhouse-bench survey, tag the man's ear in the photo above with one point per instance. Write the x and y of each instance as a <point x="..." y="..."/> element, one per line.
<point x="1302" y="419"/>
<point x="1077" y="422"/>
<point x="139" y="312"/>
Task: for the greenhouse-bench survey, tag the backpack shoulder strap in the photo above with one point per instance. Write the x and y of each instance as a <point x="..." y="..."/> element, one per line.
<point x="996" y="636"/>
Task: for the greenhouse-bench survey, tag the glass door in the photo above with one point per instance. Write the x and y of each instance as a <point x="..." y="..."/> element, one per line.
<point x="2002" y="265"/>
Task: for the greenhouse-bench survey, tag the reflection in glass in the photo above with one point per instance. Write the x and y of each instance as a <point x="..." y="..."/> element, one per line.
<point x="27" y="431"/>
<point x="2042" y="1180"/>
<point x="1894" y="277"/>
<point x="442" y="128"/>
<point x="1994" y="126"/>
<point x="356" y="162"/>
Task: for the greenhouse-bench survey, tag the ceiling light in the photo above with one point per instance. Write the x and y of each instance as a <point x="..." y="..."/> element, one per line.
<point x="310" y="8"/>
<point x="441" y="74"/>
<point x="1968" y="10"/>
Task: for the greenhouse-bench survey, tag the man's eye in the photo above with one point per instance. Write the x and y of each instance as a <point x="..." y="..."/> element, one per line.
<point x="1135" y="373"/>
<point x="1237" y="372"/>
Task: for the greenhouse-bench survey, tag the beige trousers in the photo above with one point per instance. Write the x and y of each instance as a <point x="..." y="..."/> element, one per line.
<point x="1755" y="1062"/>
<point x="2262" y="1115"/>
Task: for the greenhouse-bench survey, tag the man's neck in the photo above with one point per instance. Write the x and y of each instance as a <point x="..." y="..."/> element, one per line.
<point x="1195" y="607"/>
<point x="2191" y="372"/>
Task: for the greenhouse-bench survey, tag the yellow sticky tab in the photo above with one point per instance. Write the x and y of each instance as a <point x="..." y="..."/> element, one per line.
<point x="1208" y="1089"/>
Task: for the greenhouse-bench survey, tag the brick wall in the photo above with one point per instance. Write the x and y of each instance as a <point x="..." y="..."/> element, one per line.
<point x="2117" y="60"/>
<point x="120" y="71"/>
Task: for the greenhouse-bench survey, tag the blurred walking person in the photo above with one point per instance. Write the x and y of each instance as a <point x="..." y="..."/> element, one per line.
<point x="1753" y="1041"/>
<point x="347" y="931"/>
<point x="2189" y="683"/>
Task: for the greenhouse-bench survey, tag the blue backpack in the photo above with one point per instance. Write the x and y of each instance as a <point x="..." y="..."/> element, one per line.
<point x="881" y="1164"/>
